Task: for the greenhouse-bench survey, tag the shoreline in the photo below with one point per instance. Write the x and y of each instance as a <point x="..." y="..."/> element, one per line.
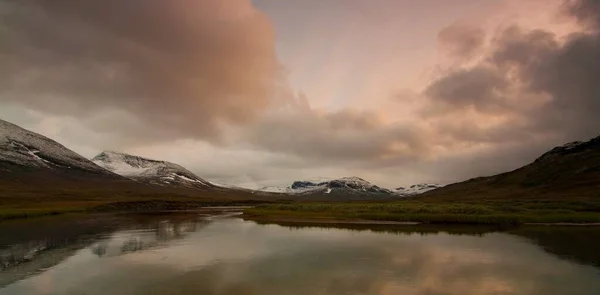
<point x="304" y="220"/>
<point x="26" y="214"/>
<point x="333" y="221"/>
<point x="485" y="212"/>
<point x="294" y="220"/>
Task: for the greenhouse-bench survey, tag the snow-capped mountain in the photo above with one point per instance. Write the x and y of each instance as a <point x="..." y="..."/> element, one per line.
<point x="350" y="186"/>
<point x="150" y="171"/>
<point x="416" y="189"/>
<point x="20" y="148"/>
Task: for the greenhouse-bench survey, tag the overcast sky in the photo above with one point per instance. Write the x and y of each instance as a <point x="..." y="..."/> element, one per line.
<point x="265" y="92"/>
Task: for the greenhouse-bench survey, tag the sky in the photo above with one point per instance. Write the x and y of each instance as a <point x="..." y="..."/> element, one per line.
<point x="265" y="92"/>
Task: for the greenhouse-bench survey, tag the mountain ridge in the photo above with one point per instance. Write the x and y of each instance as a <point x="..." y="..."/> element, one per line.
<point x="26" y="149"/>
<point x="32" y="161"/>
<point x="353" y="184"/>
<point x="146" y="170"/>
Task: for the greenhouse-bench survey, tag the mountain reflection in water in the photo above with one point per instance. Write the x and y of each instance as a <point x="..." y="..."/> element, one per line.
<point x="199" y="254"/>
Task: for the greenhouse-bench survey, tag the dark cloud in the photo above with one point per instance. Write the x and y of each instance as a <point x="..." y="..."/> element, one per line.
<point x="586" y="11"/>
<point x="479" y="87"/>
<point x="546" y="86"/>
<point x="179" y="65"/>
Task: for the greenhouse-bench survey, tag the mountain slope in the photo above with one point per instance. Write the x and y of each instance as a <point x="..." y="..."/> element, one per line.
<point x="23" y="149"/>
<point x="572" y="171"/>
<point x="150" y="171"/>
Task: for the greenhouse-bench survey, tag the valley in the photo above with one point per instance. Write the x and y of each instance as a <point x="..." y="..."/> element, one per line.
<point x="39" y="176"/>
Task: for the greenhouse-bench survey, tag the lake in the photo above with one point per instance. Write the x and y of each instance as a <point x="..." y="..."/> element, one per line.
<point x="222" y="254"/>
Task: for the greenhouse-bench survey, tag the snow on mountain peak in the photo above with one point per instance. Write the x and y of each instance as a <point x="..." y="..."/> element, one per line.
<point x="416" y="189"/>
<point x="149" y="170"/>
<point x="22" y="147"/>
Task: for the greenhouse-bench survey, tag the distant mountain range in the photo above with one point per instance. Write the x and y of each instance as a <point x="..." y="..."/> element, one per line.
<point x="32" y="162"/>
<point x="346" y="188"/>
<point x="355" y="187"/>
<point x="50" y="164"/>
<point x="33" y="166"/>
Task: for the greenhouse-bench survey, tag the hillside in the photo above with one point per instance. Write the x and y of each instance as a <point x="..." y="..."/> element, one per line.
<point x="568" y="171"/>
<point x="30" y="162"/>
<point x="21" y="149"/>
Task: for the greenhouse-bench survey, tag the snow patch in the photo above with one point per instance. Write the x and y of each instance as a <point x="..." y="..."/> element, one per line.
<point x="417" y="189"/>
<point x="148" y="170"/>
<point x="186" y="178"/>
<point x="121" y="168"/>
<point x="222" y="185"/>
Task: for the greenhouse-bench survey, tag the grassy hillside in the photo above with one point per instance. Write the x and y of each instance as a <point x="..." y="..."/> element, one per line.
<point x="569" y="172"/>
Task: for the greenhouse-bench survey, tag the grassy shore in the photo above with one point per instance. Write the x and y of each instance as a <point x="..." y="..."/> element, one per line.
<point x="44" y="208"/>
<point x="437" y="212"/>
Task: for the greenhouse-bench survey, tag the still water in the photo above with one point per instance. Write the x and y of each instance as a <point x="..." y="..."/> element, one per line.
<point x="215" y="254"/>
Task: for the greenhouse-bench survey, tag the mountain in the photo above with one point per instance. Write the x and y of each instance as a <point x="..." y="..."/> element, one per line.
<point x="346" y="188"/>
<point x="150" y="171"/>
<point x="21" y="149"/>
<point x="348" y="185"/>
<point x="416" y="189"/>
<point x="36" y="169"/>
<point x="571" y="171"/>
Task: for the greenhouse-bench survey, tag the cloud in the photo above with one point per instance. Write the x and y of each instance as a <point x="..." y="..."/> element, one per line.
<point x="479" y="87"/>
<point x="346" y="137"/>
<point x="527" y="91"/>
<point x="179" y="67"/>
<point x="539" y="84"/>
<point x="586" y="11"/>
<point x="166" y="77"/>
<point x="461" y="41"/>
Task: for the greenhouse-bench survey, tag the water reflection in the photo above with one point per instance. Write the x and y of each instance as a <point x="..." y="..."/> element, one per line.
<point x="164" y="232"/>
<point x="31" y="246"/>
<point x="577" y="243"/>
<point x="195" y="255"/>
